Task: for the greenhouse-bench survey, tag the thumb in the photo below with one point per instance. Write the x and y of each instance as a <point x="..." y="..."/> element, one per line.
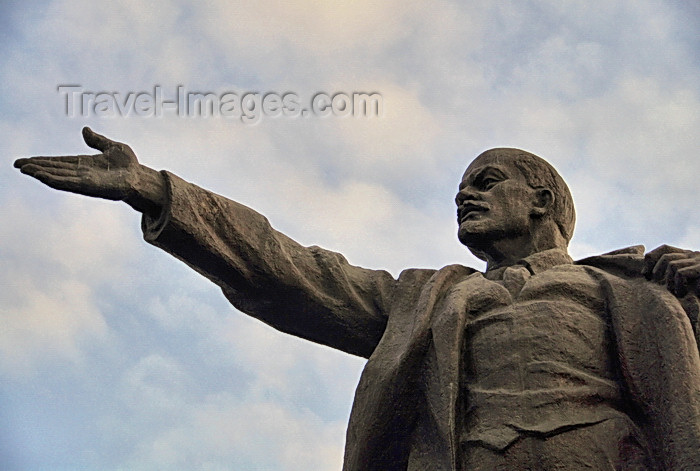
<point x="97" y="141"/>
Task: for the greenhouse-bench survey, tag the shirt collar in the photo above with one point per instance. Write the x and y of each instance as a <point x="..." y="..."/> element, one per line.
<point x="536" y="263"/>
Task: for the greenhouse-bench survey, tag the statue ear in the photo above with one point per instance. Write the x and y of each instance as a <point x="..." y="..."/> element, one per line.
<point x="543" y="201"/>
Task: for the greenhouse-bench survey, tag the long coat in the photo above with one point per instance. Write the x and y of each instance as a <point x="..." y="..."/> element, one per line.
<point x="397" y="324"/>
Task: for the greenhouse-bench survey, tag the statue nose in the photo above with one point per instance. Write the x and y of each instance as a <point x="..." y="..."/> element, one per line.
<point x="468" y="193"/>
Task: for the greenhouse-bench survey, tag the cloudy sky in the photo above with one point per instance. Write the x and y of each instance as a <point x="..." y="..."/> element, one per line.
<point x="115" y="356"/>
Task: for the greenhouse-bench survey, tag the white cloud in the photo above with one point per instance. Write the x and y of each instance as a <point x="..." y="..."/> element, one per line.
<point x="156" y="383"/>
<point x="47" y="322"/>
<point x="310" y="26"/>
<point x="223" y="433"/>
<point x="51" y="272"/>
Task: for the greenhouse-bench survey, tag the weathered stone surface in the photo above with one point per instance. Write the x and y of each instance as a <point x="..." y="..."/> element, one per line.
<point x="540" y="363"/>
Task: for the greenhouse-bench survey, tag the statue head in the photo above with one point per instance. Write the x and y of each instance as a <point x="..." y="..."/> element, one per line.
<point x="512" y="203"/>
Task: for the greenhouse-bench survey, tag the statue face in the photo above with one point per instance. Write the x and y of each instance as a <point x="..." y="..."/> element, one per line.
<point x="494" y="203"/>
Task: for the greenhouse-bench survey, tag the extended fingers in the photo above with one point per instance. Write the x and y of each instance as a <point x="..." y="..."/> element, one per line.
<point x="67" y="161"/>
<point x="32" y="169"/>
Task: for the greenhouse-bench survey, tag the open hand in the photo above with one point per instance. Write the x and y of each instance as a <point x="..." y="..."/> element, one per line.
<point x="108" y="175"/>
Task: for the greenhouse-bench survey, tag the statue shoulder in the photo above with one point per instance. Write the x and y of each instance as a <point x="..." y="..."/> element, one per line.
<point x="627" y="262"/>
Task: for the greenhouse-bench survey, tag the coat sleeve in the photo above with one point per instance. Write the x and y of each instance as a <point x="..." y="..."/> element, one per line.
<point x="308" y="292"/>
<point x="660" y="363"/>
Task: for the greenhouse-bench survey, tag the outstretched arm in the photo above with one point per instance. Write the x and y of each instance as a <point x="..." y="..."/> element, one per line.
<point x="308" y="292"/>
<point x="114" y="174"/>
<point x="305" y="291"/>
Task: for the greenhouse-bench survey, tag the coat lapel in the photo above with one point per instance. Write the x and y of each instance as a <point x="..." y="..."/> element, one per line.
<point x="386" y="409"/>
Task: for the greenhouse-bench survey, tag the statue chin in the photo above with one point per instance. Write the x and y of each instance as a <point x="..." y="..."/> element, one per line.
<point x="474" y="235"/>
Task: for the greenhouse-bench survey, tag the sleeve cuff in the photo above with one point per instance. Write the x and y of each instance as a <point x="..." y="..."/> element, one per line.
<point x="153" y="227"/>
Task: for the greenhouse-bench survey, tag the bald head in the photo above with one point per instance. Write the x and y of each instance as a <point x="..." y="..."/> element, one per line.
<point x="538" y="173"/>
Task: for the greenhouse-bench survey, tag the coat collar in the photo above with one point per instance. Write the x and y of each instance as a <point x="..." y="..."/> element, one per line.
<point x="535" y="263"/>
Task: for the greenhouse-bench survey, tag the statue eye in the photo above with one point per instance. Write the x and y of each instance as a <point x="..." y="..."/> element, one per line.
<point x="489" y="182"/>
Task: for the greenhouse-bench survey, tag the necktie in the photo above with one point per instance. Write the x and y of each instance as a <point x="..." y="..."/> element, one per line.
<point x="514" y="277"/>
